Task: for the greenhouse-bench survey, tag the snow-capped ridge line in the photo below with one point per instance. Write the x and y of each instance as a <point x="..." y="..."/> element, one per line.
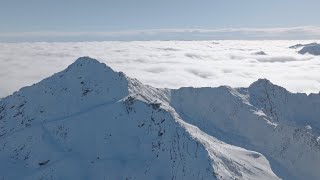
<point x="200" y="133"/>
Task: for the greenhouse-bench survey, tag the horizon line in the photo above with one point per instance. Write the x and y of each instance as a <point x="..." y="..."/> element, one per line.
<point x="184" y="34"/>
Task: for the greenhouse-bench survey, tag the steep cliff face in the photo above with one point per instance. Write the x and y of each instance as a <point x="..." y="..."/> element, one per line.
<point x="89" y="122"/>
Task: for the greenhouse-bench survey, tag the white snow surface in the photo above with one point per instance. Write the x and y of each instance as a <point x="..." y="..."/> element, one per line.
<point x="90" y="122"/>
<point x="168" y="64"/>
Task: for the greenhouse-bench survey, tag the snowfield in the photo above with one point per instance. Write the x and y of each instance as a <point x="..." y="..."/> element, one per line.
<point x="90" y="122"/>
<point x="168" y="64"/>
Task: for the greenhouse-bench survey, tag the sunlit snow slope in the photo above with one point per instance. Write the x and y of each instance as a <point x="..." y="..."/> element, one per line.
<point x="89" y="122"/>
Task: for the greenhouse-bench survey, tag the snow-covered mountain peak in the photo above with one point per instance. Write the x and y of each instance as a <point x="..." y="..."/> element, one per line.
<point x="87" y="66"/>
<point x="88" y="77"/>
<point x="263" y="88"/>
<point x="87" y="62"/>
<point x="261" y="84"/>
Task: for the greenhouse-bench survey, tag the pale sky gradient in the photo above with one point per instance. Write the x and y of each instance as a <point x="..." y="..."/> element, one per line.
<point x="82" y="20"/>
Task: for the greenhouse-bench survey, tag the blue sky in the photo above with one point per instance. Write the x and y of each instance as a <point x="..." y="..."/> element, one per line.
<point x="23" y="19"/>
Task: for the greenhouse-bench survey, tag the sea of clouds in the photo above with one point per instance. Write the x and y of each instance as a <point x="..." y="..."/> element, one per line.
<point x="167" y="64"/>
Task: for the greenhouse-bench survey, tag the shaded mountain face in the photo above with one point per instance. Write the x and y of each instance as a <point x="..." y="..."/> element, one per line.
<point x="89" y="122"/>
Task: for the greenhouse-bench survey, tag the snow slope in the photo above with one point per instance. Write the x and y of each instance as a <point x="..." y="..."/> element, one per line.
<point x="89" y="122"/>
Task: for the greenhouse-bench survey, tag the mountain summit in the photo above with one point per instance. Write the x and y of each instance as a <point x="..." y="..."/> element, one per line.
<point x="90" y="122"/>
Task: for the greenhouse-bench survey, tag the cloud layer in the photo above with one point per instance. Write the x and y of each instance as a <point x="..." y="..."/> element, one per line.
<point x="170" y="64"/>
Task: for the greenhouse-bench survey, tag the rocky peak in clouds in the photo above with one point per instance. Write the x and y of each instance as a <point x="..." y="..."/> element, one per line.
<point x="262" y="53"/>
<point x="90" y="122"/>
<point x="311" y="49"/>
<point x="302" y="45"/>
